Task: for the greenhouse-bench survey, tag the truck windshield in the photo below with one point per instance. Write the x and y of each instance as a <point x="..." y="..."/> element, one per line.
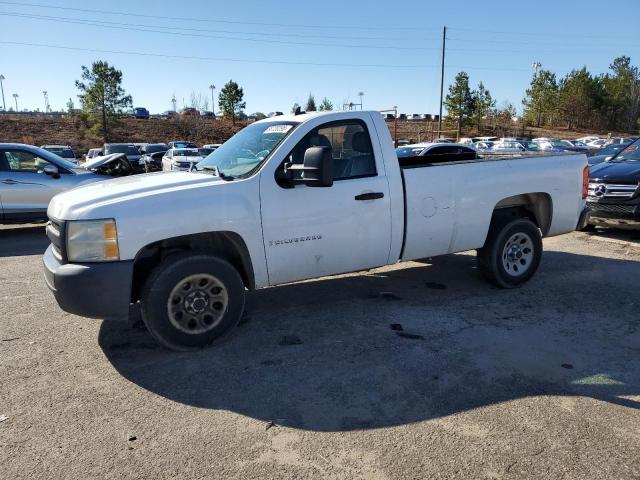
<point x="630" y="153"/>
<point x="246" y="150"/>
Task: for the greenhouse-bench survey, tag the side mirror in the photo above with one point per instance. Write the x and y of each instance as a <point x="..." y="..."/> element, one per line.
<point x="51" y="170"/>
<point x="317" y="169"/>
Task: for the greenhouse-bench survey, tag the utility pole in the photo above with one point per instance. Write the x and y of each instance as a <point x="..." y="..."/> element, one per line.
<point x="444" y="44"/>
<point x="4" y="105"/>
<point x="173" y="102"/>
<point x="361" y="94"/>
<point x="212" y="87"/>
<point x="15" y="97"/>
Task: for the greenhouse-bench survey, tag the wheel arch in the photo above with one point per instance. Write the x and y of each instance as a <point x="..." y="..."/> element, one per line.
<point x="226" y="244"/>
<point x="537" y="206"/>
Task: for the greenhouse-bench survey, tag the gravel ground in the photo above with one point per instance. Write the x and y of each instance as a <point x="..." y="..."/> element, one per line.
<point x="419" y="370"/>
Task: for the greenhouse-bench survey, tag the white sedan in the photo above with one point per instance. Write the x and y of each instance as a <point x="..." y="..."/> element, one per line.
<point x="181" y="159"/>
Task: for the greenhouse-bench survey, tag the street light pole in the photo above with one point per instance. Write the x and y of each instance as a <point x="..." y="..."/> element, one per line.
<point x="361" y="94"/>
<point x="15" y="97"/>
<point x="212" y="87"/>
<point x="4" y="105"/>
<point x="173" y="102"/>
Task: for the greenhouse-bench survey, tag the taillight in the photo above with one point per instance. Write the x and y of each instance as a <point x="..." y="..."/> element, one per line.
<point x="585" y="182"/>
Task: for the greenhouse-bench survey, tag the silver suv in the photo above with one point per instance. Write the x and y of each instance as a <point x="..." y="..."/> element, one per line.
<point x="30" y="177"/>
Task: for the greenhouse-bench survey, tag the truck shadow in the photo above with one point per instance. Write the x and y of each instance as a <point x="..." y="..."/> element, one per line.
<point x="403" y="346"/>
<point x="22" y="240"/>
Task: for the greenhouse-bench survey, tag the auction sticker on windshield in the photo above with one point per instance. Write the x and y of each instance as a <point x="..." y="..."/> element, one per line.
<point x="278" y="129"/>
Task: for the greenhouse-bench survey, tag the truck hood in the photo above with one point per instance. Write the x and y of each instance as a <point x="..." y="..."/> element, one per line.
<point x="616" y="172"/>
<point x="79" y="202"/>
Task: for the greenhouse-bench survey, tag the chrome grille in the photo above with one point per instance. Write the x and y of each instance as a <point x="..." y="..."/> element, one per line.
<point x="611" y="208"/>
<point x="611" y="190"/>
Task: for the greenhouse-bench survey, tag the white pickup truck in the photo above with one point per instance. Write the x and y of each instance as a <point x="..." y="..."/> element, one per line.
<point x="291" y="198"/>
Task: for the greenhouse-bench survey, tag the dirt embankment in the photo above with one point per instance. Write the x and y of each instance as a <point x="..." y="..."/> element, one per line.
<point x="74" y="131"/>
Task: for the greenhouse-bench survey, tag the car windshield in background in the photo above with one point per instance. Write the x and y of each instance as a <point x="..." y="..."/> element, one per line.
<point x="62" y="152"/>
<point x="631" y="153"/>
<point x="560" y="143"/>
<point x="186" y="153"/>
<point x="184" y="145"/>
<point x="613" y="149"/>
<point x="126" y="149"/>
<point x="155" y="148"/>
<point x="56" y="159"/>
<point x="404" y="152"/>
<point x="246" y="150"/>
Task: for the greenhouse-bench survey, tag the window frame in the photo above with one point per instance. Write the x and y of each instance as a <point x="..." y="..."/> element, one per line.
<point x="62" y="170"/>
<point x="314" y="131"/>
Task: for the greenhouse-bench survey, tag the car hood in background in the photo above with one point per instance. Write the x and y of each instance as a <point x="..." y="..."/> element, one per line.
<point x="98" y="162"/>
<point x="622" y="172"/>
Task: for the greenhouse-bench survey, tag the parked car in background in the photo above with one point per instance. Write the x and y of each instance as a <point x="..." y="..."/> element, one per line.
<point x="153" y="161"/>
<point x="556" y="145"/>
<point x="438" y="152"/>
<point x="213" y="146"/>
<point x="30" y="177"/>
<point x="598" y="143"/>
<point x="181" y="159"/>
<point x="588" y="138"/>
<point x="206" y="114"/>
<point x="414" y="117"/>
<point x="141" y="112"/>
<point x="205" y="151"/>
<point x="483" y="146"/>
<point x="92" y="153"/>
<point x="129" y="149"/>
<point x="112" y="165"/>
<point x="402" y="116"/>
<point x="64" y="151"/>
<point x="389" y="116"/>
<point x="607" y="153"/>
<point x="149" y="148"/>
<point x="169" y="114"/>
<point x="181" y="144"/>
<point x="190" y="112"/>
<point x="614" y="191"/>
<point x="274" y="114"/>
<point x="484" y="139"/>
<point x="507" y="147"/>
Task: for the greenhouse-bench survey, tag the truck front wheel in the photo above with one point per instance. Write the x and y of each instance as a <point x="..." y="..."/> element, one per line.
<point x="512" y="253"/>
<point x="190" y="301"/>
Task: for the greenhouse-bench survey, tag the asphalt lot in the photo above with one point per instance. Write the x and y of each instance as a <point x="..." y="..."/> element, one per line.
<point x="539" y="382"/>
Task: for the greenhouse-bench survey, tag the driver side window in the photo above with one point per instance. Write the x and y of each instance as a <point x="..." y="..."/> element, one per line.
<point x="350" y="145"/>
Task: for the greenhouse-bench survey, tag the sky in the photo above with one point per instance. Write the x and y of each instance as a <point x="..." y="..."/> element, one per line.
<point x="279" y="51"/>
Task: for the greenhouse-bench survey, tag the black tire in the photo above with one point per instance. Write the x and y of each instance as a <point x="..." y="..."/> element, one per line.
<point x="505" y="262"/>
<point x="588" y="228"/>
<point x="220" y="313"/>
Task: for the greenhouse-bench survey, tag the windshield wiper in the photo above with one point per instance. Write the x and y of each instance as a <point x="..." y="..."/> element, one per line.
<point x="216" y="171"/>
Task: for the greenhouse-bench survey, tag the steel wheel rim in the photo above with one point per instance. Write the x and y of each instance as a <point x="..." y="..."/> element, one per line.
<point x="197" y="303"/>
<point x="518" y="254"/>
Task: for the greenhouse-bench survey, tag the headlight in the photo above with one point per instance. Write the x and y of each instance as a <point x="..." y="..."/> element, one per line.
<point x="92" y="241"/>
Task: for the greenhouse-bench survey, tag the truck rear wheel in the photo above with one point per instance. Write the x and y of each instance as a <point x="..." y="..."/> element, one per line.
<point x="512" y="253"/>
<point x="190" y="301"/>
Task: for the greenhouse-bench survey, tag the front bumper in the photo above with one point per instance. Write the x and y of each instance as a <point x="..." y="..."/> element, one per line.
<point x="94" y="290"/>
<point x="611" y="214"/>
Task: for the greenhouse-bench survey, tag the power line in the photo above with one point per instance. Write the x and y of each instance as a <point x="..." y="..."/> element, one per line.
<point x="215" y="20"/>
<point x="217" y="59"/>
<point x="533" y="34"/>
<point x="232" y="32"/>
<point x="137" y="28"/>
<point x="268" y="62"/>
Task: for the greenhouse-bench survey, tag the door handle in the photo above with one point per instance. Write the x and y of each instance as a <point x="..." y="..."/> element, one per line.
<point x="369" y="196"/>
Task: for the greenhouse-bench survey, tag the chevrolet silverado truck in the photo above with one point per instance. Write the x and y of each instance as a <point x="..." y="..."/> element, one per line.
<point x="291" y="198"/>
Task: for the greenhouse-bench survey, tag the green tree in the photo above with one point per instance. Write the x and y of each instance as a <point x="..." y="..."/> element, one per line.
<point x="326" y="105"/>
<point x="231" y="100"/>
<point x="621" y="95"/>
<point x="101" y="91"/>
<point x="580" y="98"/>
<point x="459" y="101"/>
<point x="311" y="104"/>
<point x="295" y="107"/>
<point x="541" y="98"/>
<point x="483" y="102"/>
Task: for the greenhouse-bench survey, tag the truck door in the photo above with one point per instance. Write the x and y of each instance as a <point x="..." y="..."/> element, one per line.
<point x="316" y="231"/>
